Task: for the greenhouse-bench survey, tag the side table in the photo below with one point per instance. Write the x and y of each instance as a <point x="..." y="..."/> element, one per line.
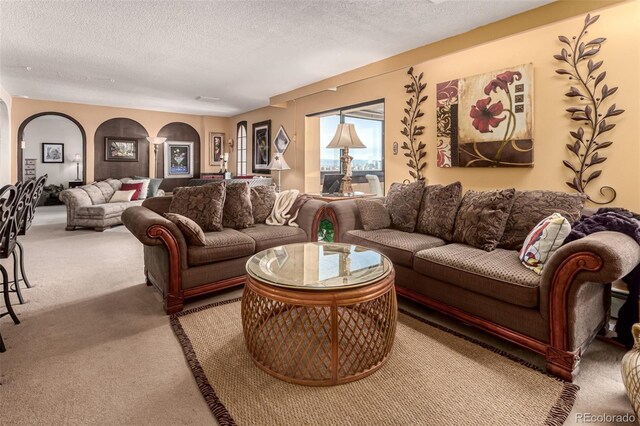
<point x="75" y="183"/>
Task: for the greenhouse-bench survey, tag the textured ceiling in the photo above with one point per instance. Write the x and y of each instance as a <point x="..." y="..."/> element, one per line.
<point x="162" y="55"/>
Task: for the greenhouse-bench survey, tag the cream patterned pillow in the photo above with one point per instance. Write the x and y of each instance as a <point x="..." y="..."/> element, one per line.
<point x="543" y="241"/>
<point x="122" y="196"/>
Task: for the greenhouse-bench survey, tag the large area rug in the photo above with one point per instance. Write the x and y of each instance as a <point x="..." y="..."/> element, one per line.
<point x="434" y="376"/>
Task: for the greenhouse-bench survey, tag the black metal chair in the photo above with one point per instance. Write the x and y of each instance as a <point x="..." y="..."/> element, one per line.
<point x="29" y="214"/>
<point x="9" y="199"/>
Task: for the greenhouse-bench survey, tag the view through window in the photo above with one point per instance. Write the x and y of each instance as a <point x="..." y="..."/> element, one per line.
<point x="241" y="149"/>
<point x="369" y="124"/>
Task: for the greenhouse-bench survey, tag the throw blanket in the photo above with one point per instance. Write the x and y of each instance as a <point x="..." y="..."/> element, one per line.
<point x="287" y="207"/>
<point x="626" y="222"/>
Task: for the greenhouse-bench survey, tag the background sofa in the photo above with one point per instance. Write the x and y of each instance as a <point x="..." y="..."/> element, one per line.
<point x="181" y="271"/>
<point x="556" y="314"/>
<point x="88" y="205"/>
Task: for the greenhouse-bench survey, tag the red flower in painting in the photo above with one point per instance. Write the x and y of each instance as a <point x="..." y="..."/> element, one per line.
<point x="485" y="115"/>
<point x="502" y="81"/>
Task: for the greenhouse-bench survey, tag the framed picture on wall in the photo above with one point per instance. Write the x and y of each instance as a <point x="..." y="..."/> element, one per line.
<point x="261" y="146"/>
<point x="178" y="159"/>
<point x="120" y="149"/>
<point x="281" y="141"/>
<point x="52" y="152"/>
<point x="216" y="148"/>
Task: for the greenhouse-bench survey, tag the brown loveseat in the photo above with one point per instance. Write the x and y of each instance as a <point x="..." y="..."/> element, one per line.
<point x="556" y="314"/>
<point x="181" y="271"/>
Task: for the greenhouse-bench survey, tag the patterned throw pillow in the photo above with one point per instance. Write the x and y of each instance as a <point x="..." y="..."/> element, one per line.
<point x="403" y="202"/>
<point x="530" y="207"/>
<point x="263" y="198"/>
<point x="438" y="210"/>
<point x="202" y="204"/>
<point x="373" y="214"/>
<point x="191" y="230"/>
<point x="237" y="207"/>
<point x="481" y="218"/>
<point x="543" y="241"/>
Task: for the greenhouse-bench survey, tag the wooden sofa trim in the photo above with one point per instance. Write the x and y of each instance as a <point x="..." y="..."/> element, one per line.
<point x="560" y="361"/>
<point x="175" y="297"/>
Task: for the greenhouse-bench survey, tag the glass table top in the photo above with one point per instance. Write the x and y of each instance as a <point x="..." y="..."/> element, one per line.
<point x="318" y="266"/>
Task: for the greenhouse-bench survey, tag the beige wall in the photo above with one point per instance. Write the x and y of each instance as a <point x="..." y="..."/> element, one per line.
<point x="621" y="55"/>
<point x="91" y="116"/>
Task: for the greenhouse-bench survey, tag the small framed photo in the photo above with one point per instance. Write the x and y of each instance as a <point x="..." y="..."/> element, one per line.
<point x="281" y="141"/>
<point x="216" y="148"/>
<point x="261" y="146"/>
<point x="52" y="152"/>
<point x="178" y="159"/>
<point x="120" y="149"/>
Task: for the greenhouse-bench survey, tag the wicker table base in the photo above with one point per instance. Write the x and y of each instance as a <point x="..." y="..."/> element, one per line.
<point x="319" y="338"/>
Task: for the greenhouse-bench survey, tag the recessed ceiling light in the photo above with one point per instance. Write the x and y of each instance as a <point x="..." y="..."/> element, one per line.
<point x="207" y="99"/>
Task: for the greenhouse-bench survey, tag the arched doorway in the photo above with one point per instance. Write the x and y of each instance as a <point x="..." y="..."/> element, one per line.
<point x="46" y="129"/>
<point x="5" y="145"/>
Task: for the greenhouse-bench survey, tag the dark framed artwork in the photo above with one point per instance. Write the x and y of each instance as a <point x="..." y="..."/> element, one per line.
<point x="281" y="141"/>
<point x="178" y="159"/>
<point x="216" y="148"/>
<point x="261" y="145"/>
<point x="52" y="152"/>
<point x="120" y="149"/>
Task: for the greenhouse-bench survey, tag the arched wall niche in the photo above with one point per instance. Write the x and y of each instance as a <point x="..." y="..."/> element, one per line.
<point x="125" y="128"/>
<point x="181" y="132"/>
<point x="29" y="132"/>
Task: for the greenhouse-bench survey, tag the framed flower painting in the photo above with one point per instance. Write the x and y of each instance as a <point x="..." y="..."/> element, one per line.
<point x="486" y="120"/>
<point x="261" y="146"/>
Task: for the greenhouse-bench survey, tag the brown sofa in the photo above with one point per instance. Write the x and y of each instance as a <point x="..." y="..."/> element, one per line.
<point x="181" y="271"/>
<point x="556" y="314"/>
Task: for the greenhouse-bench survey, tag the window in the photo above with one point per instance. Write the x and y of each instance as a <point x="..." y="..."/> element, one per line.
<point x="241" y="149"/>
<point x="369" y="123"/>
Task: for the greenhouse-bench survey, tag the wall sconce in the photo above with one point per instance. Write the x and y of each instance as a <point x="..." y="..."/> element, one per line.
<point x="230" y="142"/>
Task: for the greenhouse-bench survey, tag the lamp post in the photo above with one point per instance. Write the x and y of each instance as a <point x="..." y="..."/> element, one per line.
<point x="278" y="164"/>
<point x="77" y="159"/>
<point x="345" y="138"/>
<point x="156" y="141"/>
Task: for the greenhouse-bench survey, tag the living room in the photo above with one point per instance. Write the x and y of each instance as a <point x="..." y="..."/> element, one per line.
<point x="94" y="328"/>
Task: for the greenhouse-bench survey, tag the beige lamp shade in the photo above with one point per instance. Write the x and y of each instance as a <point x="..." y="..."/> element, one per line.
<point x="278" y="163"/>
<point x="156" y="140"/>
<point x="346" y="137"/>
<point x="77" y="158"/>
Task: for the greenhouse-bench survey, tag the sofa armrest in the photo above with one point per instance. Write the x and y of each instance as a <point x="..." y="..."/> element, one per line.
<point x="309" y="218"/>
<point x="345" y="217"/>
<point x="152" y="229"/>
<point x="72" y="199"/>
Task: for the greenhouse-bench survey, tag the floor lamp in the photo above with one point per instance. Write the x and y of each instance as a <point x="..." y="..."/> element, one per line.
<point x="156" y="143"/>
<point x="278" y="164"/>
<point x="345" y="138"/>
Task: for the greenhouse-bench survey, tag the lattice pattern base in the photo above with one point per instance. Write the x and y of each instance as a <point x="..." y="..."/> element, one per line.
<point x="321" y="341"/>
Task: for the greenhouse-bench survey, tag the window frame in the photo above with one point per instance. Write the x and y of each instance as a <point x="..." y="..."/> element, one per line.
<point x="241" y="149"/>
<point x="358" y="176"/>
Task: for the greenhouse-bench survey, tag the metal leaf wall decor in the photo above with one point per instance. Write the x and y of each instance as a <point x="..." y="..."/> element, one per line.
<point x="413" y="147"/>
<point x="593" y="111"/>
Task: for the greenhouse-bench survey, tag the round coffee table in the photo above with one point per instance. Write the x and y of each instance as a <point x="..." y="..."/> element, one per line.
<point x="319" y="313"/>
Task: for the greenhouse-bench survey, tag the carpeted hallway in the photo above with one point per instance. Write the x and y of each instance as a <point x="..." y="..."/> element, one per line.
<point x="95" y="346"/>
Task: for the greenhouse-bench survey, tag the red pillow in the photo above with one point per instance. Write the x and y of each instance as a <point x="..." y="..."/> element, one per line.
<point x="130" y="186"/>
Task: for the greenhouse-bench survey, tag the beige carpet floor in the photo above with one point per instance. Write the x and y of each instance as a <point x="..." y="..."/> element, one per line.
<point x="95" y="347"/>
